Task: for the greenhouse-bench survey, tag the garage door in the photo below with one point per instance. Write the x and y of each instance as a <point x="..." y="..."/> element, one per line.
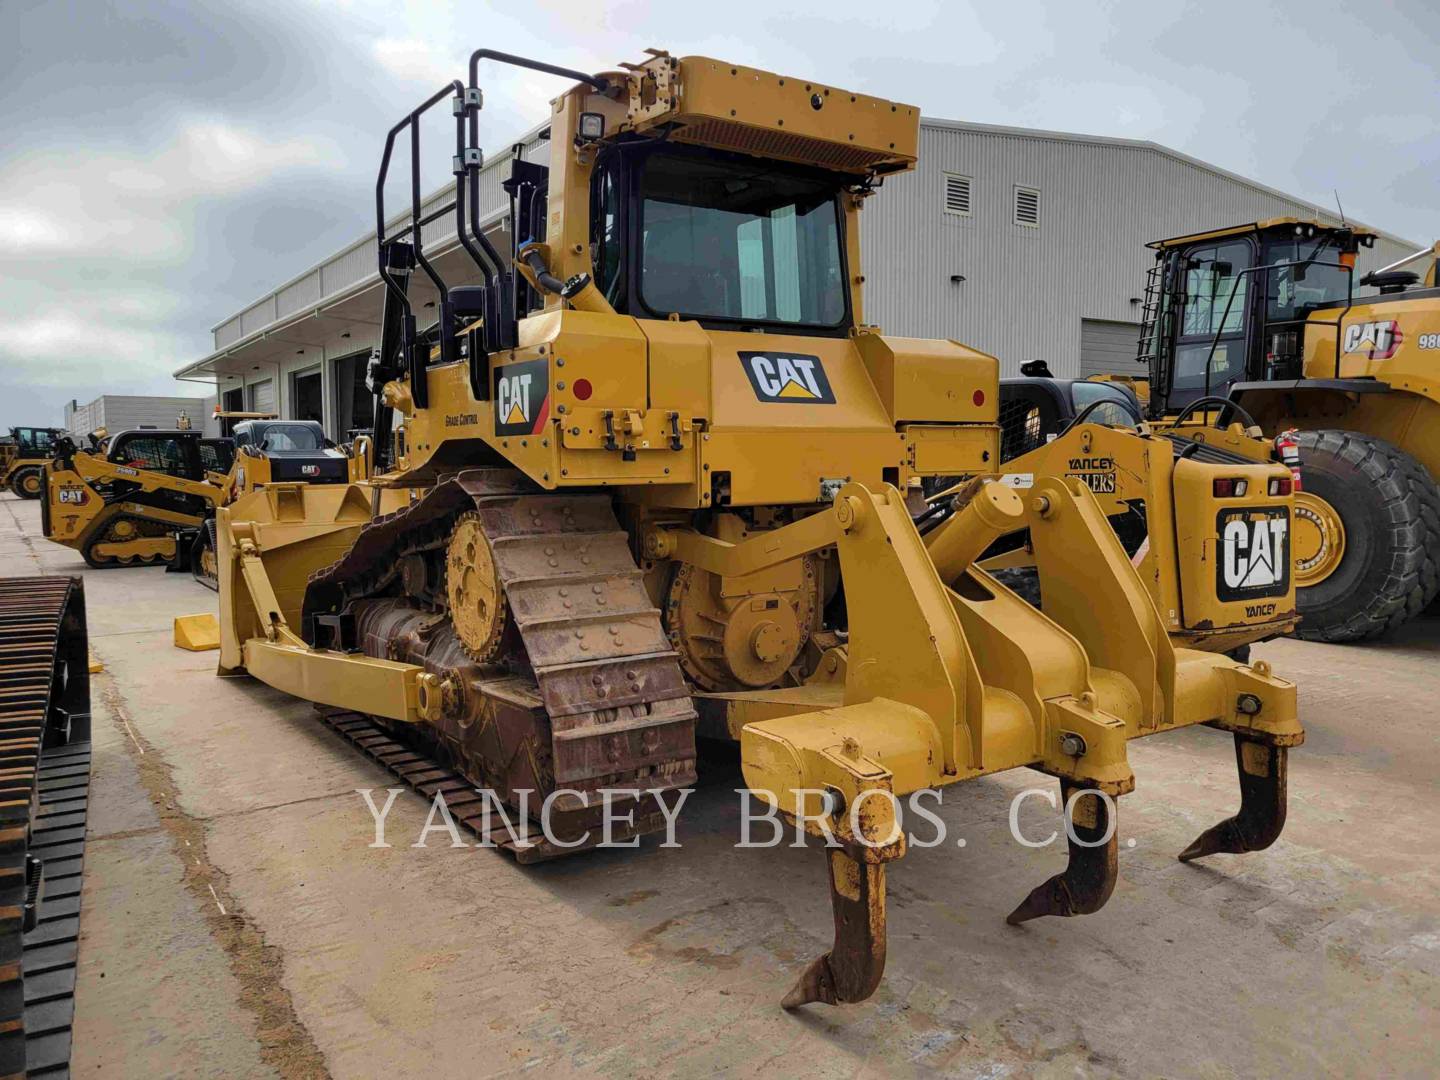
<point x="1108" y="348"/>
<point x="262" y="396"/>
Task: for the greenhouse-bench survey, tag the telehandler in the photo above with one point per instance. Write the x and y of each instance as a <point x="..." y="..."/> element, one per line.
<point x="1260" y="323"/>
<point x="22" y="459"/>
<point x="646" y="481"/>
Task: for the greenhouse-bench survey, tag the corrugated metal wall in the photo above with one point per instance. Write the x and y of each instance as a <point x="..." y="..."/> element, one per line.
<point x="1026" y="290"/>
<point x="116" y="412"/>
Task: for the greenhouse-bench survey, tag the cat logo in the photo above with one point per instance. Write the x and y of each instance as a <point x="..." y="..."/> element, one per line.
<point x="1254" y="553"/>
<point x="787" y="378"/>
<point x="1380" y="338"/>
<point x="309" y="470"/>
<point x="74" y="496"/>
<point x="522" y="397"/>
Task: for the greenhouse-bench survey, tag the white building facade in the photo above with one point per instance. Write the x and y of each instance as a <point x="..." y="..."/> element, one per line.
<point x="1025" y="244"/>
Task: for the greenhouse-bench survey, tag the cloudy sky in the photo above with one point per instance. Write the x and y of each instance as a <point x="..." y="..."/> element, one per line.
<point x="164" y="164"/>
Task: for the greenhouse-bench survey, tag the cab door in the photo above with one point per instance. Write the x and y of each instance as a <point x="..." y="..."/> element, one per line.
<point x="1216" y="304"/>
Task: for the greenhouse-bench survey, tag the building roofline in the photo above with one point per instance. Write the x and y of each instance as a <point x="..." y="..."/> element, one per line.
<point x="937" y="123"/>
<point x="1154" y="148"/>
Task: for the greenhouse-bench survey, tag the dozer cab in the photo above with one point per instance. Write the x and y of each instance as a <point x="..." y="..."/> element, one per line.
<point x="645" y="480"/>
<point x="23" y="456"/>
<point x="1260" y="324"/>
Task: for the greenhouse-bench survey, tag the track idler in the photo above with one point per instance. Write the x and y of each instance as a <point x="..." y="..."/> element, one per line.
<point x="1262" y="767"/>
<point x="1089" y="877"/>
<point x="852" y="969"/>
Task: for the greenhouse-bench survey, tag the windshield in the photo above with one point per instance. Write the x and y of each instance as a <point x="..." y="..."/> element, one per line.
<point x="39" y="439"/>
<point x="731" y="240"/>
<point x="290" y="437"/>
<point x="1295" y="290"/>
<point x="1118" y="410"/>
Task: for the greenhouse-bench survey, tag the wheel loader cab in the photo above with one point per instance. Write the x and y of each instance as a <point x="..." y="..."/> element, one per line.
<point x="23" y="457"/>
<point x="1267" y="321"/>
<point x="1231" y="307"/>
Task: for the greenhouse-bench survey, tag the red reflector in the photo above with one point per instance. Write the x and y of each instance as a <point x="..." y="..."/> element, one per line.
<point x="1224" y="489"/>
<point x="978" y="398"/>
<point x="1280" y="486"/>
<point x="583" y="389"/>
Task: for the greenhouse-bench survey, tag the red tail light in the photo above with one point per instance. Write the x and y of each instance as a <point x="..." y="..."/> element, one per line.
<point x="1280" y="485"/>
<point x="1230" y="488"/>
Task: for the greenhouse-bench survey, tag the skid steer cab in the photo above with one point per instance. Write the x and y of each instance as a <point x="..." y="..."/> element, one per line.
<point x="123" y="502"/>
<point x="270" y="450"/>
<point x="1223" y="577"/>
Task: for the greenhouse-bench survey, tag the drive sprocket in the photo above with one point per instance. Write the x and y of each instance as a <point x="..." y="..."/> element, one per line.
<point x="474" y="591"/>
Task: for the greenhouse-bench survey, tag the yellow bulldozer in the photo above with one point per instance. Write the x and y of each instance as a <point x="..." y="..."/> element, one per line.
<point x="653" y="477"/>
<point x="23" y="455"/>
<point x="1260" y="324"/>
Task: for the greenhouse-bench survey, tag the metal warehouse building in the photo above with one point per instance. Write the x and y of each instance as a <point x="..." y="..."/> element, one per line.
<point x="116" y="412"/>
<point x="1025" y="244"/>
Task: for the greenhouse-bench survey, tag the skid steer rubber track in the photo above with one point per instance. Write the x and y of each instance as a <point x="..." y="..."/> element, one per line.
<point x="613" y="709"/>
<point x="44" y="785"/>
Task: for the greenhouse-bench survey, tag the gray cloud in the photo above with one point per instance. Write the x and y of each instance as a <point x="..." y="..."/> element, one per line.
<point x="166" y="163"/>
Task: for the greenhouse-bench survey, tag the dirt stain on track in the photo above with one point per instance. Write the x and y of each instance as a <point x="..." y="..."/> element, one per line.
<point x="285" y="1043"/>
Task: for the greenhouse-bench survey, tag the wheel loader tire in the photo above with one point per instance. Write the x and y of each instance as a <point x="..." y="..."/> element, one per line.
<point x="1389" y="508"/>
<point x="28" y="483"/>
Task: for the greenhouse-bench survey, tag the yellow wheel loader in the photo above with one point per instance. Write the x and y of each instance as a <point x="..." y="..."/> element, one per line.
<point x="1260" y="324"/>
<point x="646" y="481"/>
<point x="22" y="459"/>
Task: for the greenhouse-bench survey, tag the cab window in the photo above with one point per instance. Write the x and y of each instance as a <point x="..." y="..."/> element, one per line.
<point x="1211" y="347"/>
<point x="1117" y="408"/>
<point x="607" y="241"/>
<point x="154" y="452"/>
<point x="290" y="437"/>
<point x="1300" y="285"/>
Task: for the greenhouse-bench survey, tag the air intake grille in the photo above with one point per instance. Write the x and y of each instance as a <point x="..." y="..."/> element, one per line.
<point x="762" y="142"/>
<point x="1027" y="207"/>
<point x="957" y="194"/>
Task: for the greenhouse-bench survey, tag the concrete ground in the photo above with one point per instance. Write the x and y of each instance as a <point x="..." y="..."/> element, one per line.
<point x="236" y="923"/>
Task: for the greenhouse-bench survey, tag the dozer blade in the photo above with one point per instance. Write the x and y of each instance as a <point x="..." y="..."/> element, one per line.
<point x="1263" y="769"/>
<point x="197" y="633"/>
<point x="1089" y="877"/>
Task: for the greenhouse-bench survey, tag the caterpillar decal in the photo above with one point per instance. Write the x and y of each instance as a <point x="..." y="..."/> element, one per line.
<point x="1380" y="338"/>
<point x="788" y="378"/>
<point x="1254" y="555"/>
<point x="522" y="397"/>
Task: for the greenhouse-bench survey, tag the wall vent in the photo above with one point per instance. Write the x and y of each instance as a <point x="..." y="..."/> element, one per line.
<point x="1027" y="207"/>
<point x="957" y="194"/>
